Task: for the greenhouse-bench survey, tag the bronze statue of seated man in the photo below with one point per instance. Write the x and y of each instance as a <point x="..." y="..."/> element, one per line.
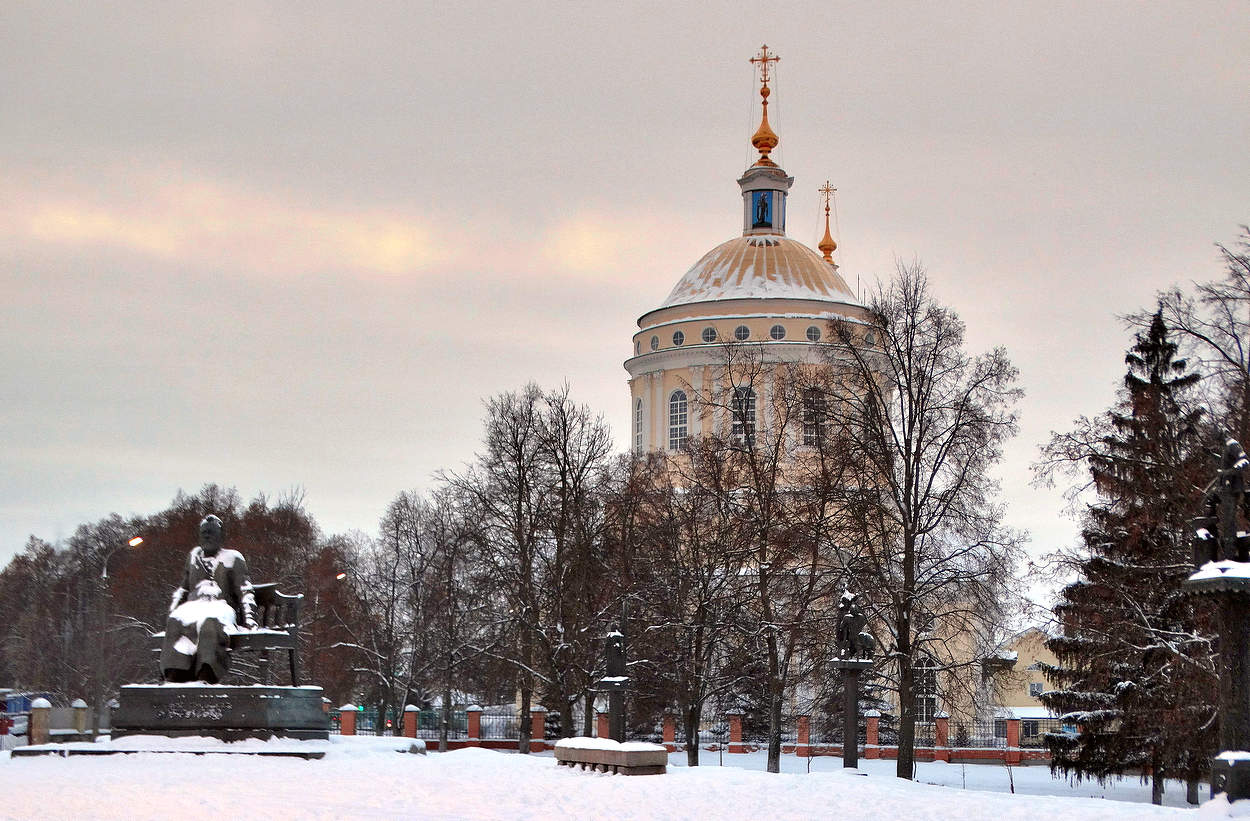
<point x="214" y="600"/>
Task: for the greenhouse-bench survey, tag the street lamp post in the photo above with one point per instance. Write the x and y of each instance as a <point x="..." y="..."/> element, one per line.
<point x="104" y="570"/>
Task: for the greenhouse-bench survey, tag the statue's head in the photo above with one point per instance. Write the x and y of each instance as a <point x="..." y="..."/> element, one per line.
<point x="212" y="534"/>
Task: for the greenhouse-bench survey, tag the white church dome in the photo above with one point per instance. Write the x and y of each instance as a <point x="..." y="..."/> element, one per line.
<point x="760" y="266"/>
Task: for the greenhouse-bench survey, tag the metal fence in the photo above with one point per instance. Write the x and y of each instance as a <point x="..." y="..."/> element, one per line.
<point x="501" y="726"/>
<point x="429" y="722"/>
<point x="1033" y="731"/>
<point x="979" y="734"/>
<point x="711" y="731"/>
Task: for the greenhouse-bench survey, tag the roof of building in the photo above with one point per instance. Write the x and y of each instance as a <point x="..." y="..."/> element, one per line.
<point x="761" y="266"/>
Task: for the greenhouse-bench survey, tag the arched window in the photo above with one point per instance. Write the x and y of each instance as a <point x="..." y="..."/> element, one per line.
<point x="678" y="419"/>
<point x="814" y="413"/>
<point x="638" y="426"/>
<point x="743" y="429"/>
<point x="925" y="672"/>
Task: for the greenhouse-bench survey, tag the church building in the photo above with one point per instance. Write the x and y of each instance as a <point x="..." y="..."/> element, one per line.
<point x="761" y="287"/>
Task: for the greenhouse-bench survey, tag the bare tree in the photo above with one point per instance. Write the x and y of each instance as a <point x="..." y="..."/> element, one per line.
<point x="790" y="570"/>
<point x="923" y="423"/>
<point x="689" y="555"/>
<point x="508" y="489"/>
<point x="575" y="444"/>
<point x="1213" y="328"/>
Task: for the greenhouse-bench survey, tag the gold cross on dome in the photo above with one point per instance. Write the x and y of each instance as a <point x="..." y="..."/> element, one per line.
<point x="765" y="59"/>
<point x="826" y="192"/>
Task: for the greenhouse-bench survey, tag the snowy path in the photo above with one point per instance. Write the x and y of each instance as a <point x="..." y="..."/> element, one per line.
<point x="361" y="778"/>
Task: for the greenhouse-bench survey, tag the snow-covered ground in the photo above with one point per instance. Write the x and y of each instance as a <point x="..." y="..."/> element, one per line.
<point x="365" y="777"/>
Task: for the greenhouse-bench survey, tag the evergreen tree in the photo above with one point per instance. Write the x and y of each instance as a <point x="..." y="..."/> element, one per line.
<point x="1135" y="672"/>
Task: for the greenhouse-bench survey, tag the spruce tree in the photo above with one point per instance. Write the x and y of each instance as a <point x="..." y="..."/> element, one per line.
<point x="1135" y="673"/>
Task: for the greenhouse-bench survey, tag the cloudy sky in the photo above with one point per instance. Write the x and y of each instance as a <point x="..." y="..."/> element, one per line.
<point x="280" y="245"/>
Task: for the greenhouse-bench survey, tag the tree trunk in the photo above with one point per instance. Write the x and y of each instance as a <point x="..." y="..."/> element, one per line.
<point x="523" y="730"/>
<point x="906" y="720"/>
<point x="1156" y="786"/>
<point x="774" y="732"/>
<point x="588" y="717"/>
<point x="444" y="724"/>
<point x="690" y="718"/>
<point x="1191" y="791"/>
<point x="566" y="718"/>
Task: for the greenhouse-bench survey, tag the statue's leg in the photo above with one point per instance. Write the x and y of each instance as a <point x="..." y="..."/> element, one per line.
<point x="213" y="655"/>
<point x="177" y="665"/>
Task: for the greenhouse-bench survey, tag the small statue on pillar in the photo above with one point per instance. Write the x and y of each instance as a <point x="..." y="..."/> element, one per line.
<point x="614" y="654"/>
<point x="853" y="640"/>
<point x="1216" y="535"/>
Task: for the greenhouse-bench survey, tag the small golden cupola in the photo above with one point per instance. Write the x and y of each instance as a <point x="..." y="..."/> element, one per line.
<point x="827" y="246"/>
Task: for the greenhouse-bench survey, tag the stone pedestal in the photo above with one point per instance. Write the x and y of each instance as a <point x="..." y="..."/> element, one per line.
<point x="225" y="712"/>
<point x="1227" y="583"/>
<point x="851" y="668"/>
<point x="1231" y="774"/>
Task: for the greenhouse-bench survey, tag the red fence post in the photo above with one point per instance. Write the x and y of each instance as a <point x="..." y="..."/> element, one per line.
<point x="601" y="726"/>
<point x="474" y="714"/>
<point x="735" y="733"/>
<point x="804" y="737"/>
<point x="1013" y="741"/>
<point x="941" y="737"/>
<point x="347" y="719"/>
<point x="538" y="729"/>
<point x="410" y="720"/>
<point x="670" y="732"/>
<point x="872" y="734"/>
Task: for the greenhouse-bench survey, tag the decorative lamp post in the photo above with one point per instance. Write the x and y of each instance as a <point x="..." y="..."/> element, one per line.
<point x="104" y="569"/>
<point x="1222" y="562"/>
<point x="855" y="648"/>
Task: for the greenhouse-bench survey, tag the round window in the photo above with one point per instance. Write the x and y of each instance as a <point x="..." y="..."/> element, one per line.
<point x="709" y="334"/>
<point x="777" y="332"/>
<point x="679" y="338"/>
<point x="655" y="342"/>
<point x="741" y="333"/>
<point x="871" y="338"/>
<point x="637" y="347"/>
<point x="813" y="333"/>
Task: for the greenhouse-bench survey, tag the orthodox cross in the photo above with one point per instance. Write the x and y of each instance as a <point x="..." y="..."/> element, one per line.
<point x="765" y="59"/>
<point x="826" y="193"/>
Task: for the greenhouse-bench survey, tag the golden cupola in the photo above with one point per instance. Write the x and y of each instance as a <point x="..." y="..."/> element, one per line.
<point x="765" y="139"/>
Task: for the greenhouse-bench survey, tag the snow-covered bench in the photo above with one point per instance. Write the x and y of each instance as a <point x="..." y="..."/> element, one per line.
<point x="277" y="619"/>
<point x="606" y="755"/>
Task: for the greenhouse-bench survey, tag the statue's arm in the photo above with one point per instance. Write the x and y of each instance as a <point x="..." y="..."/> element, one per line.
<point x="247" y="599"/>
<point x="180" y="595"/>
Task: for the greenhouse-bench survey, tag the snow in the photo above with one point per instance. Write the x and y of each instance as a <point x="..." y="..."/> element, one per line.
<point x="589" y="743"/>
<point x="1223" y="570"/>
<point x="41" y="704"/>
<point x="363" y="777"/>
<point x="1234" y="755"/>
